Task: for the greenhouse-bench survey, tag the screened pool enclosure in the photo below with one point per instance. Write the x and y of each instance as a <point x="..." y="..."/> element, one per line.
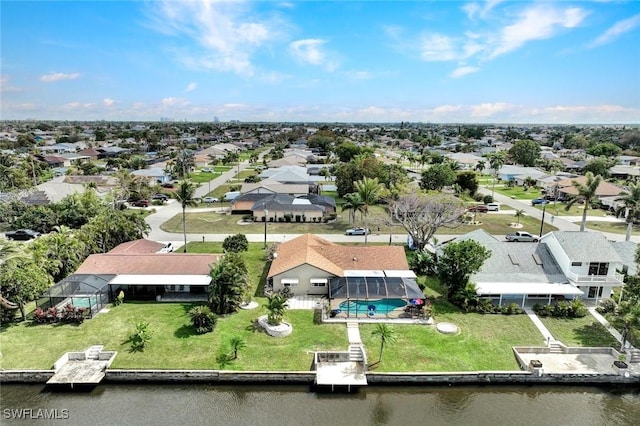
<point x="80" y="290"/>
<point x="380" y="296"/>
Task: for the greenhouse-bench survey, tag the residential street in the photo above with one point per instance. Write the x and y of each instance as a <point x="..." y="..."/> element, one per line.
<point x="166" y="212"/>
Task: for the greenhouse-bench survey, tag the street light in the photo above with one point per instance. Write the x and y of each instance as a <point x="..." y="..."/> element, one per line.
<point x="266" y="213"/>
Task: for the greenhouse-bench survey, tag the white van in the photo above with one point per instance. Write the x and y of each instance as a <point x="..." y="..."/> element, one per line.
<point x="493" y="207"/>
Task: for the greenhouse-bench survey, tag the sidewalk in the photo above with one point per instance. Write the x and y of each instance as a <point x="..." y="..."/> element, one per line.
<point x="548" y="337"/>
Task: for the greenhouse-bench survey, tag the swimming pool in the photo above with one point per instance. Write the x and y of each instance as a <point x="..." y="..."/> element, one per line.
<point x="361" y="307"/>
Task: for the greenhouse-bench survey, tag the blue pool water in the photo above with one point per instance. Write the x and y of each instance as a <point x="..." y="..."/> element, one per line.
<point x="383" y="306"/>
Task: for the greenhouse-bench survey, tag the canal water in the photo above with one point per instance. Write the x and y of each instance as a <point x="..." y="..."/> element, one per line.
<point x="187" y="404"/>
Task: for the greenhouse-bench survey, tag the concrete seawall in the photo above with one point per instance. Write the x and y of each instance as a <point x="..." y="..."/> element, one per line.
<point x="308" y="377"/>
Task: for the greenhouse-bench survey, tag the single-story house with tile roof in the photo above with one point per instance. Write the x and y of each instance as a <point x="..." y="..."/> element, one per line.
<point x="153" y="175"/>
<point x="149" y="275"/>
<point x="605" y="189"/>
<point x="279" y="207"/>
<point x="518" y="174"/>
<point x="310" y="265"/>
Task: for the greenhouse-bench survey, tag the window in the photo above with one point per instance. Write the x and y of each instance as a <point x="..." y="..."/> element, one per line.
<point x="318" y="282"/>
<point x="596" y="268"/>
<point x="576" y="263"/>
<point x="595" y="290"/>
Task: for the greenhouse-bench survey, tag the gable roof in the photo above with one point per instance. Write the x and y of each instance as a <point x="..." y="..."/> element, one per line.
<point x="148" y="264"/>
<point x="604" y="189"/>
<point x="334" y="258"/>
<point x="585" y="246"/>
<point x="280" y="202"/>
<point x="142" y="246"/>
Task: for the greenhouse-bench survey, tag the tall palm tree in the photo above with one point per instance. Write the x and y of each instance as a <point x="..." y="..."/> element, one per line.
<point x="386" y="335"/>
<point x="480" y="166"/>
<point x="630" y="206"/>
<point x="586" y="193"/>
<point x="369" y="191"/>
<point x="496" y="160"/>
<point x="352" y="203"/>
<point x="184" y="194"/>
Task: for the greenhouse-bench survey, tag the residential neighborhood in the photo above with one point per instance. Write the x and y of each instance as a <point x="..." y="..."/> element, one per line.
<point x="228" y="220"/>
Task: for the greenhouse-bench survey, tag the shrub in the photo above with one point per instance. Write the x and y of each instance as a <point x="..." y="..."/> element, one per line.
<point x="487" y="199"/>
<point x="235" y="243"/>
<point x="478" y="196"/>
<point x="606" y="306"/>
<point x="120" y="299"/>
<point x="141" y="336"/>
<point x="562" y="309"/>
<point x="287" y="217"/>
<point x="202" y="319"/>
<point x="511" y="309"/>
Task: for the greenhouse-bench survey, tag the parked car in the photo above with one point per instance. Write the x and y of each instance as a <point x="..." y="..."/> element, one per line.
<point x="210" y="200"/>
<point x="140" y="203"/>
<point x="521" y="236"/>
<point x="160" y="197"/>
<point x="539" y="201"/>
<point x="493" y="207"/>
<point x="478" y="209"/>
<point x="167" y="185"/>
<point x="22" y="234"/>
<point x="206" y="170"/>
<point x="357" y="231"/>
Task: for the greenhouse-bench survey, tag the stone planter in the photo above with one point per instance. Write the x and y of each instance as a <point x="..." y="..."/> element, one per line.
<point x="281" y="330"/>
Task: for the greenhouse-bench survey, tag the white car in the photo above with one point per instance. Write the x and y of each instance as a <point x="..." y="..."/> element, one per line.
<point x="357" y="231"/>
<point x="493" y="207"/>
<point x="209" y="200"/>
<point x="206" y="170"/>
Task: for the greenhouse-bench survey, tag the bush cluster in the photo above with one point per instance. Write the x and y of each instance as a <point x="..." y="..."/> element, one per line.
<point x="69" y="314"/>
<point x="607" y="306"/>
<point x="562" y="309"/>
<point x="486" y="306"/>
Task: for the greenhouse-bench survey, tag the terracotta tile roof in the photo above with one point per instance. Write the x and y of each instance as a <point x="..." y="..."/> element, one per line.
<point x="605" y="188"/>
<point x="335" y="258"/>
<point x="148" y="264"/>
<point x="137" y="247"/>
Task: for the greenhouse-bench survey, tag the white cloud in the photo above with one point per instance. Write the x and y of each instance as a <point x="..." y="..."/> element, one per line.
<point x="536" y="23"/>
<point x="5" y="87"/>
<point x="438" y="47"/>
<point x="473" y="9"/>
<point x="311" y="51"/>
<point x="226" y="32"/>
<point x="58" y="76"/>
<point x="108" y="102"/>
<point x="615" y="31"/>
<point x="174" y="102"/>
<point x="490" y="109"/>
<point x="463" y="70"/>
<point x="191" y="87"/>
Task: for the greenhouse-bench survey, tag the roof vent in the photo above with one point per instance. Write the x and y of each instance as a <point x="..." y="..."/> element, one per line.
<point x="355" y="259"/>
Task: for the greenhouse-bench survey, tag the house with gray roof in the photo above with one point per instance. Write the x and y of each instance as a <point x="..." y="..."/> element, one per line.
<point x="563" y="265"/>
<point x="281" y="207"/>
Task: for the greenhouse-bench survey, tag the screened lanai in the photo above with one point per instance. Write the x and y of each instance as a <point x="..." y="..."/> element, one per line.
<point x="371" y="294"/>
<point x="81" y="290"/>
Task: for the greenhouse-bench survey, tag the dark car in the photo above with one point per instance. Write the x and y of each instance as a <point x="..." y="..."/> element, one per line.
<point x="140" y="203"/>
<point x="160" y="197"/>
<point x="167" y="185"/>
<point x="539" y="201"/>
<point x="22" y="234"/>
<point x="482" y="208"/>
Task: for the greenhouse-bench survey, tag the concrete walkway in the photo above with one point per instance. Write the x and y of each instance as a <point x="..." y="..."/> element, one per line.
<point x="548" y="337"/>
<point x="353" y="333"/>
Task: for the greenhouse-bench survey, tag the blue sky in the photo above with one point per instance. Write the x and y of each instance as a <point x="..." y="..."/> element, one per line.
<point x="483" y="61"/>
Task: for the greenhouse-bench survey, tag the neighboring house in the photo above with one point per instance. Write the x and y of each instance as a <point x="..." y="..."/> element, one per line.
<point x="628" y="160"/>
<point x="625" y="172"/>
<point x="627" y="252"/>
<point x="564" y="265"/>
<point x="219" y="151"/>
<point x="272" y="186"/>
<point x="466" y="161"/>
<point x="279" y="207"/>
<point x="58" y="148"/>
<point x="519" y="174"/>
<point x="111" y="151"/>
<point x="307" y="263"/>
<point x="566" y="189"/>
<point x="153" y="175"/>
<point x="588" y="260"/>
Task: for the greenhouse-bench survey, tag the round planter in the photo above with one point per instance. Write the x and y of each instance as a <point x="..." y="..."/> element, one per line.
<point x="281" y="330"/>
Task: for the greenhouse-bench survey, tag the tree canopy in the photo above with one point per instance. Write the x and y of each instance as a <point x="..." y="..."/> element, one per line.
<point x="525" y="152"/>
<point x="458" y="261"/>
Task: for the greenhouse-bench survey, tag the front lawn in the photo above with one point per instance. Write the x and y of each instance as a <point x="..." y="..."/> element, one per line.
<point x="484" y="343"/>
<point x="518" y="192"/>
<point x="613" y="227"/>
<point x="586" y="331"/>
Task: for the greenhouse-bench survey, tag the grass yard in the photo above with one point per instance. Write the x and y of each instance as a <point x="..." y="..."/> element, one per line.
<point x="203" y="177"/>
<point x="585" y="331"/>
<point x="613" y="227"/>
<point x="518" y="192"/>
<point x="212" y="223"/>
<point x="484" y="343"/>
<point x="173" y="343"/>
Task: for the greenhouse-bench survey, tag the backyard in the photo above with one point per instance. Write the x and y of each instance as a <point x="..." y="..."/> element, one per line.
<point x="586" y="331"/>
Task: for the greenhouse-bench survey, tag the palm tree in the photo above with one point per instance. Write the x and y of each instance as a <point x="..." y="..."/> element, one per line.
<point x="276" y="305"/>
<point x="480" y="166"/>
<point x="386" y="335"/>
<point x="586" y="193"/>
<point x="184" y="195"/>
<point x="496" y="160"/>
<point x="369" y="191"/>
<point x="236" y="344"/>
<point x="630" y="206"/>
<point x="519" y="214"/>
<point x="529" y="182"/>
<point x="353" y="203"/>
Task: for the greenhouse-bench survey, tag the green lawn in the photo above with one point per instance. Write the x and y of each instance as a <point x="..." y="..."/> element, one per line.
<point x="213" y="223"/>
<point x="585" y="331"/>
<point x="518" y="192"/>
<point x="203" y="177"/>
<point x="613" y="227"/>
<point x="484" y="343"/>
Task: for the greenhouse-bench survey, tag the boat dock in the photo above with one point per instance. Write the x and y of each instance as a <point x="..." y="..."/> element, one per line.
<point x="82" y="369"/>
